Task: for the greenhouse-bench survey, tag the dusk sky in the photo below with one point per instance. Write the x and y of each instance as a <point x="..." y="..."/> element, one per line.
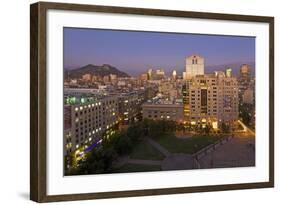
<point x="135" y="51"/>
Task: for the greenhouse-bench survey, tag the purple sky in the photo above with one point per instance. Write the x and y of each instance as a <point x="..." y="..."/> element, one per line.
<point x="136" y="51"/>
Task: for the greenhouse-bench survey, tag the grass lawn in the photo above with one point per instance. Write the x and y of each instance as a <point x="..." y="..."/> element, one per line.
<point x="187" y="145"/>
<point x="144" y="150"/>
<point x="137" y="168"/>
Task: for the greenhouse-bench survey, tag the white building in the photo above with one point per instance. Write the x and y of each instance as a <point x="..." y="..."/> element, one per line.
<point x="194" y="66"/>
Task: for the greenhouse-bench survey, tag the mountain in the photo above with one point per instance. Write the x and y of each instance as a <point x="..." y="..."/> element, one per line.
<point x="97" y="70"/>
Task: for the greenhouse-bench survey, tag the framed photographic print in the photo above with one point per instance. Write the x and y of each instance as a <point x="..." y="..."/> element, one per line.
<point x="134" y="102"/>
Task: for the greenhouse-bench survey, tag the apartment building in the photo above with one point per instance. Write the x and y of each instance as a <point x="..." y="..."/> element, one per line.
<point x="88" y="119"/>
<point x="211" y="98"/>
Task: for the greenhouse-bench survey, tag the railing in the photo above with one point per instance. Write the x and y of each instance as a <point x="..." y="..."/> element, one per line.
<point x="210" y="148"/>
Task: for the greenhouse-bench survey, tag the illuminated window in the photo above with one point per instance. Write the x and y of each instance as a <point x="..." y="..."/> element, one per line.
<point x="76" y="109"/>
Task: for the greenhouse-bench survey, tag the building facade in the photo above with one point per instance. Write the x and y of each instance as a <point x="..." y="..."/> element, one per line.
<point x="89" y="119"/>
<point x="130" y="106"/>
<point x="194" y="66"/>
<point x="211" y="99"/>
<point x="163" y="111"/>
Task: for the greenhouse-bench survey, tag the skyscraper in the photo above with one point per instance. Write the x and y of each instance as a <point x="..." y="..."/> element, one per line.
<point x="174" y="74"/>
<point x="194" y="66"/>
<point x="213" y="99"/>
<point x="228" y="72"/>
<point x="244" y="80"/>
<point x="245" y="71"/>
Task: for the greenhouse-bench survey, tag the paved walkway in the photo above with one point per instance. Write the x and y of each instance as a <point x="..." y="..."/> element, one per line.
<point x="160" y="148"/>
<point x="145" y="162"/>
<point x="239" y="152"/>
<point x="178" y="162"/>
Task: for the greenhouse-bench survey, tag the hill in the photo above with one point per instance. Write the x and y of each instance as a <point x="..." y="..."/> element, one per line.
<point x="97" y="70"/>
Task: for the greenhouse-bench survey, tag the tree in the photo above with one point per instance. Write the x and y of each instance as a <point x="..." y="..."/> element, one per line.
<point x="207" y="129"/>
<point x="123" y="145"/>
<point x="136" y="132"/>
<point x="225" y="128"/>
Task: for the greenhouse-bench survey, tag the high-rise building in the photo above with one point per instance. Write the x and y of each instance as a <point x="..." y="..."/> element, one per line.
<point x="185" y="99"/>
<point x="194" y="66"/>
<point x="174" y="74"/>
<point x="228" y="72"/>
<point x="248" y="96"/>
<point x="211" y="99"/>
<point x="88" y="119"/>
<point x="149" y="74"/>
<point x="244" y="80"/>
<point x="245" y="71"/>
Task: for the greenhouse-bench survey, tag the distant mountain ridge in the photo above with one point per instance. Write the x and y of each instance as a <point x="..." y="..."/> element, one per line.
<point x="97" y="70"/>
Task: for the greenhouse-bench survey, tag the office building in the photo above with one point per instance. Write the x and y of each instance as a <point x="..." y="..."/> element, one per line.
<point x="88" y="119"/>
<point x="194" y="66"/>
<point x="211" y="98"/>
<point x="163" y="111"/>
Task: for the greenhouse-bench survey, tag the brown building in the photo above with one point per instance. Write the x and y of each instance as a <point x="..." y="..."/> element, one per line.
<point x="211" y="98"/>
<point x="163" y="111"/>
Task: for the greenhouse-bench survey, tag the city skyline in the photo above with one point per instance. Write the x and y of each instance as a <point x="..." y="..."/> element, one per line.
<point x="158" y="120"/>
<point x="135" y="51"/>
